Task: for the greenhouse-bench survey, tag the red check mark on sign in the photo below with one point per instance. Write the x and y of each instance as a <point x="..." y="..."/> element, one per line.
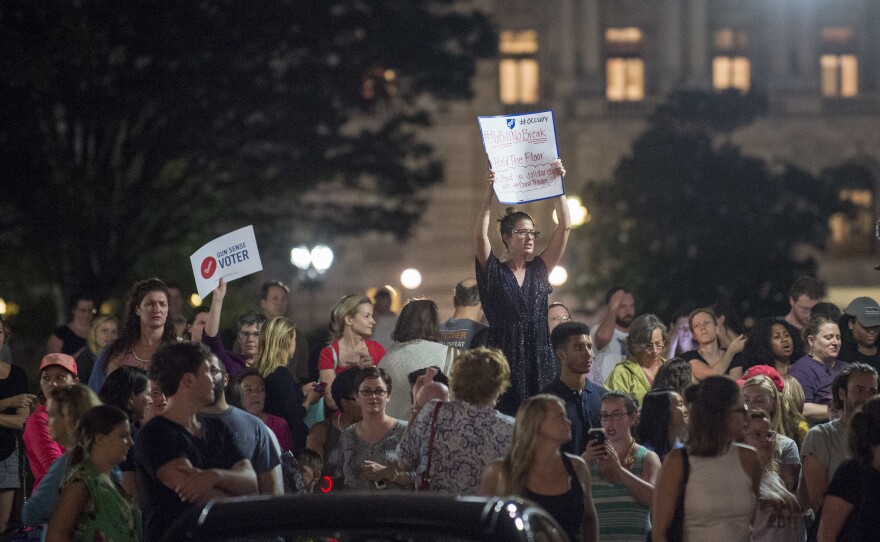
<point x="209" y="265"/>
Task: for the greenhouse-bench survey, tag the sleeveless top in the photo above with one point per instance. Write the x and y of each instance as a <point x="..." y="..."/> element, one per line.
<point x="620" y="516"/>
<point x="567" y="508"/>
<point x="719" y="500"/>
<point x="108" y="516"/>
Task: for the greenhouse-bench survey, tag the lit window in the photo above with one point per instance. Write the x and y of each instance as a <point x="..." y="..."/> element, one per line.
<point x="840" y="76"/>
<point x="624" y="67"/>
<point x="838" y="62"/>
<point x="731" y="67"/>
<point x="853" y="234"/>
<point x="518" y="68"/>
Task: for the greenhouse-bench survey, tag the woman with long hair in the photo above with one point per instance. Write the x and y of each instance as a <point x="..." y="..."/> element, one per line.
<point x="710" y="460"/>
<point x="416" y="335"/>
<point x="285" y="397"/>
<point x="709" y="358"/>
<point x="849" y="511"/>
<point x="817" y="369"/>
<point x="65" y="407"/>
<point x="105" y="330"/>
<point x="15" y="405"/>
<point x="324" y="436"/>
<point x="351" y="323"/>
<point x="662" y="421"/>
<point x="537" y="469"/>
<point x="779" y="516"/>
<point x="760" y="392"/>
<point x="145" y="327"/>
<point x="514" y="291"/>
<point x="622" y="473"/>
<point x="773" y="342"/>
<point x="128" y="388"/>
<point x="646" y="343"/>
<point x="92" y="505"/>
<point x="676" y="374"/>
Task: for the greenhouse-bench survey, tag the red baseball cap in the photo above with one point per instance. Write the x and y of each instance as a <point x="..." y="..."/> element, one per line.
<point x="62" y="360"/>
<point x="763" y="370"/>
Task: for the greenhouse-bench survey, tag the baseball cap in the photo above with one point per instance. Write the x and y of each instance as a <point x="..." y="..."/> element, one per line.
<point x="62" y="360"/>
<point x="865" y="310"/>
<point x="763" y="370"/>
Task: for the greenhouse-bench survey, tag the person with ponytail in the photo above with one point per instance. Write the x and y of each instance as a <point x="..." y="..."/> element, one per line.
<point x="536" y="468"/>
<point x="93" y="506"/>
<point x="514" y="292"/>
<point x="849" y="510"/>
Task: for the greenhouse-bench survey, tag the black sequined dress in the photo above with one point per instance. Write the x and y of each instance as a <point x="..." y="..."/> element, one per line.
<point x="518" y="326"/>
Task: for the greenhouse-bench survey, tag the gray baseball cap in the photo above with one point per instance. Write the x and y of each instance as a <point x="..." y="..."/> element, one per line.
<point x="865" y="310"/>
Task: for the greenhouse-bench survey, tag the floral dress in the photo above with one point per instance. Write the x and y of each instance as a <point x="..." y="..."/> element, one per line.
<point x="108" y="516"/>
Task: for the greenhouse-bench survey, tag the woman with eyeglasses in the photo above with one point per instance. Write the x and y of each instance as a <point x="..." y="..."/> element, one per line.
<point x="709" y="358"/>
<point x="247" y="342"/>
<point x="557" y="313"/>
<point x="716" y="478"/>
<point x="622" y="472"/>
<point x="779" y="516"/>
<point x="646" y="343"/>
<point x="369" y="447"/>
<point x="514" y="292"/>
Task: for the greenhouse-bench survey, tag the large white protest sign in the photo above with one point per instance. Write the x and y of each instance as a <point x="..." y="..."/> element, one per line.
<point x="521" y="151"/>
<point x="230" y="256"/>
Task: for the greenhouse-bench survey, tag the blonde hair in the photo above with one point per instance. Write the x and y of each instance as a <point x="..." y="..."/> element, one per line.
<point x="276" y="336"/>
<point x="479" y="376"/>
<point x="521" y="456"/>
<point x="785" y="418"/>
<point x="347" y="306"/>
<point x="761" y="414"/>
<point x="92" y="341"/>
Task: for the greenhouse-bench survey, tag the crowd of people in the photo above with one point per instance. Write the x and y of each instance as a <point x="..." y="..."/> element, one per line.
<point x="621" y="430"/>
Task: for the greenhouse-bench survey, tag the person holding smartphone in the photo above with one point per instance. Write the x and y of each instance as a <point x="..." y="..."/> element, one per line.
<point x="622" y="472"/>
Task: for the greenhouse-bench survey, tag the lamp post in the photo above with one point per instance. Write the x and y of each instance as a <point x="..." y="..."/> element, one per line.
<point x="312" y="264"/>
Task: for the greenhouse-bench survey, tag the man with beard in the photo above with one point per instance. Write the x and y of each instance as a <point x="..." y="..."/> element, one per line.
<point x="184" y="459"/>
<point x="805" y="293"/>
<point x="609" y="339"/>
<point x="254" y="439"/>
<point x="583" y="399"/>
<point x="827" y="445"/>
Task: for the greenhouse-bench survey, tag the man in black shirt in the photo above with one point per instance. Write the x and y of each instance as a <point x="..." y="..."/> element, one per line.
<point x="583" y="399"/>
<point x="182" y="458"/>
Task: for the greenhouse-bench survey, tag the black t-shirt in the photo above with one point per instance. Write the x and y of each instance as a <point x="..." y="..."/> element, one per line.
<point x="851" y="354"/>
<point x="162" y="440"/>
<point x="695" y="354"/>
<point x="11" y="386"/>
<point x="71" y="342"/>
<point x="284" y="398"/>
<point x="859" y="486"/>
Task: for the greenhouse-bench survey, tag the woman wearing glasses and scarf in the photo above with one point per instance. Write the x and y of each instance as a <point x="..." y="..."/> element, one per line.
<point x="514" y="293"/>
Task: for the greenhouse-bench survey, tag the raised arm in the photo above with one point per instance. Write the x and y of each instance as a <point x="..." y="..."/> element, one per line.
<point x="212" y="328"/>
<point x="556" y="247"/>
<point x="609" y="321"/>
<point x="482" y="246"/>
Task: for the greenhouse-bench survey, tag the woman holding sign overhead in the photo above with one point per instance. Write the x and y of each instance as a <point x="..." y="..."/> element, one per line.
<point x="514" y="293"/>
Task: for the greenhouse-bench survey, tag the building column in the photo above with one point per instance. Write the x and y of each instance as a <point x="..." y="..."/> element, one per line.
<point x="671" y="47"/>
<point x="807" y="33"/>
<point x="698" y="40"/>
<point x="567" y="76"/>
<point x="590" y="47"/>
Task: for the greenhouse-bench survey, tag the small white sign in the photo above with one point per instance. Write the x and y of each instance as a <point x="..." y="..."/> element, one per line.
<point x="521" y="151"/>
<point x="230" y="256"/>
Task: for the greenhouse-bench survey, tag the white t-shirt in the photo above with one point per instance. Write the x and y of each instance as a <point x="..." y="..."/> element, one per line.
<point x="605" y="359"/>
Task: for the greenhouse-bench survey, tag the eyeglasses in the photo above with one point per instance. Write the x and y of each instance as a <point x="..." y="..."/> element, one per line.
<point x="614" y="416"/>
<point x="763" y="435"/>
<point x="522" y="234"/>
<point x="655" y="347"/>
<point x="561" y="318"/>
<point x="373" y="393"/>
<point x="249" y="334"/>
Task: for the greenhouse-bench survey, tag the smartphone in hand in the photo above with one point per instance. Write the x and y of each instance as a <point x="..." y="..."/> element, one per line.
<point x="597" y="434"/>
<point x="430" y="373"/>
<point x="320" y="387"/>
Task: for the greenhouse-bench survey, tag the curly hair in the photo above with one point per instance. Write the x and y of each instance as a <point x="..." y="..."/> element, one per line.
<point x="479" y="376"/>
<point x="759" y="350"/>
<point x="131" y="325"/>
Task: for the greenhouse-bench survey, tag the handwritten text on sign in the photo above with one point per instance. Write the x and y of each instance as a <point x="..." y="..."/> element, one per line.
<point x="230" y="256"/>
<point x="521" y="151"/>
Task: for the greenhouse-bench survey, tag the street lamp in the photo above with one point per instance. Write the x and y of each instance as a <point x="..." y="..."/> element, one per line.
<point x="579" y="214"/>
<point x="312" y="263"/>
<point x="411" y="279"/>
<point x="558" y="276"/>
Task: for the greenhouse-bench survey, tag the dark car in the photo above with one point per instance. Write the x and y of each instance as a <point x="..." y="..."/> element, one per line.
<point x="367" y="517"/>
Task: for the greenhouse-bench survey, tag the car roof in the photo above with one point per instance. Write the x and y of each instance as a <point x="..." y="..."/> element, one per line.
<point x="474" y="517"/>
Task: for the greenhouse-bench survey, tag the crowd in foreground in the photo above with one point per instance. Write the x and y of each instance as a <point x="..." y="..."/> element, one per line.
<point x="705" y="432"/>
